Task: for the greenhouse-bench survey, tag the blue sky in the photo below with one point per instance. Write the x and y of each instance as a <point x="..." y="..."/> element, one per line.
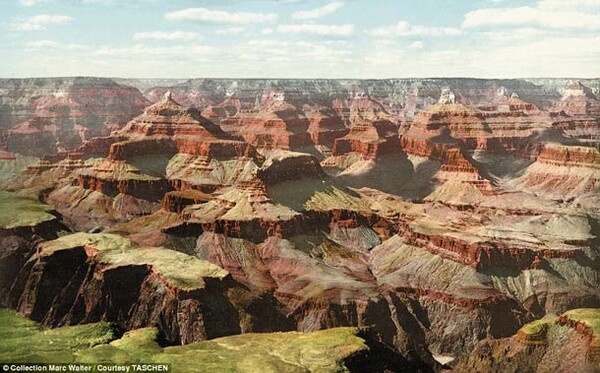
<point x="300" y="38"/>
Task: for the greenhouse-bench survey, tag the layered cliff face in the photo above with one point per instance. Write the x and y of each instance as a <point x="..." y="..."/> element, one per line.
<point x="579" y="100"/>
<point x="228" y="108"/>
<point x="582" y="109"/>
<point x="563" y="172"/>
<point x="275" y="124"/>
<point x="503" y="128"/>
<point x="166" y="148"/>
<point x="60" y="114"/>
<point x="23" y="222"/>
<point x="369" y="139"/>
<point x="186" y="297"/>
<point x="325" y="126"/>
<point x="480" y="266"/>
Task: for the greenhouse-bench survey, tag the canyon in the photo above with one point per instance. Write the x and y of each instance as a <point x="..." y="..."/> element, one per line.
<point x="416" y="224"/>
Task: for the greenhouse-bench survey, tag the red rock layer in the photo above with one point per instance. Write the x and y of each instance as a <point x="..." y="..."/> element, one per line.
<point x="485" y="255"/>
<point x="6" y="155"/>
<point x="496" y="131"/>
<point x="61" y="116"/>
<point x="593" y="353"/>
<point x="582" y="127"/>
<point x="418" y="142"/>
<point x="371" y="139"/>
<point x="219" y="149"/>
<point x="359" y="108"/>
<point x="293" y="167"/>
<point x="282" y="126"/>
<point x="151" y="190"/>
<point x="453" y="163"/>
<point x="574" y="156"/>
<point x="384" y="227"/>
<point x="100" y="146"/>
<point x="226" y="109"/>
<point x="124" y="150"/>
<point x="255" y="230"/>
<point x="178" y="200"/>
<point x="325" y="127"/>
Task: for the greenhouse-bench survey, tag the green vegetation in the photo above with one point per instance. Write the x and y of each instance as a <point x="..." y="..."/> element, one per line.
<point x="320" y="351"/>
<point x="538" y="326"/>
<point x="181" y="270"/>
<point x="136" y="346"/>
<point x="11" y="168"/>
<point x="335" y="198"/>
<point x="589" y="316"/>
<point x="17" y="211"/>
<point x="22" y="340"/>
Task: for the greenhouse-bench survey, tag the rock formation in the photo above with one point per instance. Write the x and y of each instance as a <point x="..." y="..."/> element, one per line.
<point x="64" y="113"/>
<point x="582" y="108"/>
<point x="568" y="342"/>
<point x="166" y="148"/>
<point x="563" y="172"/>
<point x="444" y="220"/>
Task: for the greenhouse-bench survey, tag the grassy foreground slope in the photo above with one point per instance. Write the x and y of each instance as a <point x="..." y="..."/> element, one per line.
<point x="17" y="211"/>
<point x="22" y="340"/>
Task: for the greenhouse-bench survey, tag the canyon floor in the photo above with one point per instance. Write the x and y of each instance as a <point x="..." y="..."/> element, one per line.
<point x="414" y="225"/>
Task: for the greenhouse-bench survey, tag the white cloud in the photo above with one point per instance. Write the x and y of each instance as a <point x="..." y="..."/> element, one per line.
<point x="329" y="30"/>
<point x="533" y="16"/>
<point x="43" y="44"/>
<point x="416" y="44"/>
<point x="515" y="35"/>
<point x="46" y="44"/>
<point x="230" y="31"/>
<point x="140" y="50"/>
<point x="318" y="12"/>
<point x="299" y="51"/>
<point x="267" y="31"/>
<point x="570" y="5"/>
<point x="161" y="35"/>
<point x="39" y="22"/>
<point x="383" y="54"/>
<point x="29" y="3"/>
<point x="403" y="28"/>
<point x="219" y="16"/>
<point x="569" y="56"/>
<point x="122" y="52"/>
<point x="549" y="54"/>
